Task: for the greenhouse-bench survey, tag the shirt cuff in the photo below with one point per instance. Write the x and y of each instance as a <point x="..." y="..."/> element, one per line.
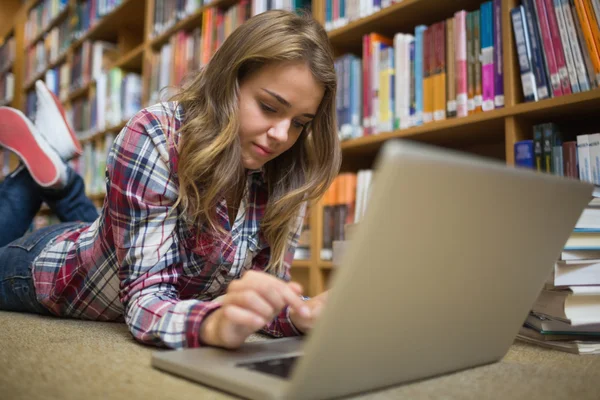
<point x="196" y="316"/>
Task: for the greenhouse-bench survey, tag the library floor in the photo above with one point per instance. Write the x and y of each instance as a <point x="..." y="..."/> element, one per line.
<point x="51" y="358"/>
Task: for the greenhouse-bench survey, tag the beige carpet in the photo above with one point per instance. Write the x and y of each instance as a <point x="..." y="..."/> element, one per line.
<point x="48" y="358"/>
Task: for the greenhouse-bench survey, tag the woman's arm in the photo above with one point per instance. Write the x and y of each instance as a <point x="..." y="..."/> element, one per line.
<point x="141" y="195"/>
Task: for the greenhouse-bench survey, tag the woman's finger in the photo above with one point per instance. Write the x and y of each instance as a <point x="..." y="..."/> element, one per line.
<point x="250" y="300"/>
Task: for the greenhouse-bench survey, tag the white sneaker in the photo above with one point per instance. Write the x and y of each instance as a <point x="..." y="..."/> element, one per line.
<point x="20" y="136"/>
<point x="51" y="122"/>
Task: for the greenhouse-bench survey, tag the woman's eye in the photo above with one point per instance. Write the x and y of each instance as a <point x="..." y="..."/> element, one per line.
<point x="298" y="125"/>
<point x="267" y="108"/>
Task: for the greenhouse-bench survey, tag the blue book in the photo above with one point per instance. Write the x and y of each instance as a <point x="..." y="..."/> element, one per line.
<point x="419" y="31"/>
<point x="524" y="53"/>
<point x="524" y="156"/>
<point x="537" y="57"/>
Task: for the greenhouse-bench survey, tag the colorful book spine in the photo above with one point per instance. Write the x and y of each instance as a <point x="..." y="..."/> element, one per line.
<point x="470" y="63"/>
<point x="590" y="66"/>
<point x="366" y="56"/>
<point x="439" y="102"/>
<point x="559" y="51"/>
<point x="571" y="169"/>
<point x="487" y="55"/>
<point x="498" y="56"/>
<point x="460" y="45"/>
<point x="478" y="97"/>
<point x="543" y="89"/>
<point x="595" y="31"/>
<point x="524" y="156"/>
<point x="413" y="80"/>
<point x="555" y="81"/>
<point x="419" y="64"/>
<point x="524" y="53"/>
<point x="450" y="67"/>
<point x="578" y="60"/>
<point x="566" y="42"/>
<point x="538" y="148"/>
<point x="427" y="75"/>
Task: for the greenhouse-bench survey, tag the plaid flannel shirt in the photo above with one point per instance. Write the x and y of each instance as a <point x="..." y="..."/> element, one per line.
<point x="139" y="261"/>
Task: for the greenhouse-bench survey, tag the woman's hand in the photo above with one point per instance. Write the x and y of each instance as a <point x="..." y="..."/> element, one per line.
<point x="250" y="303"/>
<point x="304" y="324"/>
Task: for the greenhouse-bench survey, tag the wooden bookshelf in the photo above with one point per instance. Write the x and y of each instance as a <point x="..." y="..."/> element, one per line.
<point x="489" y="133"/>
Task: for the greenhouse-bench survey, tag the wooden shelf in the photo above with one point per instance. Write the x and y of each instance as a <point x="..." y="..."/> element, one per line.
<point x="131" y="60"/>
<point x="82" y="91"/>
<point x="108" y="27"/>
<point x="454" y="131"/>
<point x="569" y="105"/>
<point x="191" y="21"/>
<point x="55" y="22"/>
<point x="399" y="17"/>
<point x="326" y="265"/>
<point x="301" y="264"/>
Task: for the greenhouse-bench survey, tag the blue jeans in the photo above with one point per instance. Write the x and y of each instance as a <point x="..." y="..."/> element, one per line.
<point x="20" y="200"/>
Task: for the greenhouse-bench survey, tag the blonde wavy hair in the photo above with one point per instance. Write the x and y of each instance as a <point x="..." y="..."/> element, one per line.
<point x="210" y="155"/>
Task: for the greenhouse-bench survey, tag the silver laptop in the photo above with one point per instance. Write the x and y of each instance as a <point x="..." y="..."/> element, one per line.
<point x="442" y="272"/>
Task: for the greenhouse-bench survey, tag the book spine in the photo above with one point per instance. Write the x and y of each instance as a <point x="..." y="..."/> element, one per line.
<point x="548" y="164"/>
<point x="578" y="61"/>
<point x="559" y="53"/>
<point x="451" y="66"/>
<point x="366" y="84"/>
<point x="587" y="31"/>
<point x="419" y="62"/>
<point x="538" y="63"/>
<point x="399" y="44"/>
<point x="595" y="27"/>
<point x="460" y="43"/>
<point x="523" y="52"/>
<point x="594" y="148"/>
<point x="487" y="56"/>
<point x="440" y="72"/>
<point x="470" y="63"/>
<point x="478" y="97"/>
<point x="548" y="46"/>
<point x="427" y="75"/>
<point x="570" y="159"/>
<point x="498" y="55"/>
<point x="538" y="147"/>
<point x="568" y="52"/>
<point x="583" y="157"/>
<point x="524" y="156"/>
<point x="413" y="94"/>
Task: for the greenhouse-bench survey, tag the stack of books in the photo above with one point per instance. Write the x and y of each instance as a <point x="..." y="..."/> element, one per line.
<point x="566" y="314"/>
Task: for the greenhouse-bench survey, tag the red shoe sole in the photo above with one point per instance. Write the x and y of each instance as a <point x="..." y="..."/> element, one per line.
<point x="16" y="136"/>
<point x="64" y="116"/>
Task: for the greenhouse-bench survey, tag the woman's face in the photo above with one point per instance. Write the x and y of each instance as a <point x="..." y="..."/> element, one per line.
<point x="276" y="102"/>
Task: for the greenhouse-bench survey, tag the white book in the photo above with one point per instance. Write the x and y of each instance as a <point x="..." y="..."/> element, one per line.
<point x="583" y="156"/>
<point x="360" y="182"/>
<point x="594" y="149"/>
<point x="578" y="60"/>
<point x="576" y="272"/>
<point x="399" y="66"/>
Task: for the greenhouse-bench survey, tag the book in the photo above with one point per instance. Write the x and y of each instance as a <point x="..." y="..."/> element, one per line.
<point x="583" y="239"/>
<point x="546" y="324"/>
<point x="578" y="305"/>
<point x="532" y="333"/>
<point x="576" y="273"/>
<point x="498" y="56"/>
<point x="575" y="347"/>
<point x="524" y="155"/>
<point x="524" y="53"/>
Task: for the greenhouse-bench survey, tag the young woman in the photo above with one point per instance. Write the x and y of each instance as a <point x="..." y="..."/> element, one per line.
<point x="205" y="197"/>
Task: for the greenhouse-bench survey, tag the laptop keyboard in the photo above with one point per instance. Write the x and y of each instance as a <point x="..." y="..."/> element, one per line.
<point x="278" y="366"/>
